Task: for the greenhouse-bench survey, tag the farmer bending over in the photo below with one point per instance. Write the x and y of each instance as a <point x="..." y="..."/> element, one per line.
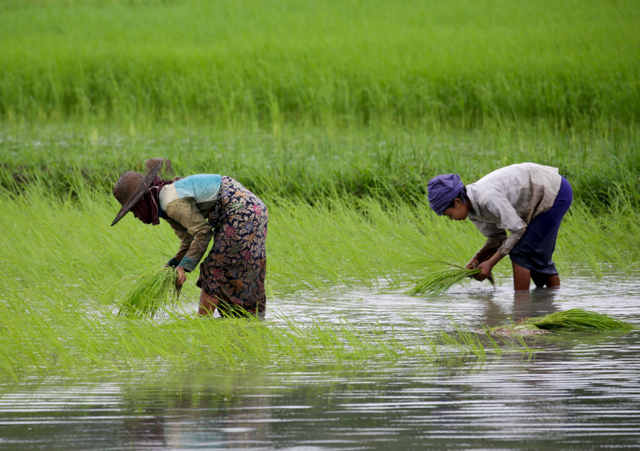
<point x="198" y="208"/>
<point x="529" y="200"/>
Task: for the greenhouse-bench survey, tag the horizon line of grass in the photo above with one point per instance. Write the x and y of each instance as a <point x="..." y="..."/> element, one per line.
<point x="580" y="99"/>
<point x="312" y="164"/>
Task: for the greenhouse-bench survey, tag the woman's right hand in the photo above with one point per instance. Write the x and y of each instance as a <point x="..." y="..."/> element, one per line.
<point x="473" y="263"/>
<point x="182" y="276"/>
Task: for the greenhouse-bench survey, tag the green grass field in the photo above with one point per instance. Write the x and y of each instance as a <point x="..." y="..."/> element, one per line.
<point x="335" y="113"/>
<point x="460" y="63"/>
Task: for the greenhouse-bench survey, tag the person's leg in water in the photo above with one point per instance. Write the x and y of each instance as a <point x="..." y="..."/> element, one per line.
<point x="550" y="280"/>
<point x="521" y="277"/>
<point x="207" y="305"/>
<point x="553" y="281"/>
<point x="536" y="247"/>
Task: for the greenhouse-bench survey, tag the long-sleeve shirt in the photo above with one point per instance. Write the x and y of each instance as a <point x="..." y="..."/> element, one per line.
<point x="185" y="205"/>
<point x="508" y="199"/>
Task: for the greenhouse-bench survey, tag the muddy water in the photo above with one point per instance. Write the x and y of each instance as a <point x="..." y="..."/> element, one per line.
<point x="577" y="392"/>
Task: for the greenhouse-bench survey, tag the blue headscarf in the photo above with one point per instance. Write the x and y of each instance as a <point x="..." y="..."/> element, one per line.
<point x="442" y="190"/>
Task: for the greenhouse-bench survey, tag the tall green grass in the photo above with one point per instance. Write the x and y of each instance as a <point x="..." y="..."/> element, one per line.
<point x="339" y="241"/>
<point x="316" y="163"/>
<point x="336" y="114"/>
<point x="462" y="63"/>
<point x="45" y="338"/>
<point x="62" y="261"/>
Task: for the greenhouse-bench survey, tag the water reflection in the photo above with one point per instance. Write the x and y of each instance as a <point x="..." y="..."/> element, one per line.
<point x="203" y="411"/>
<point x="523" y="304"/>
<point x="559" y="400"/>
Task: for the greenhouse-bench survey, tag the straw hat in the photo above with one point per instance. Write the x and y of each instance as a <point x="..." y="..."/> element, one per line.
<point x="166" y="165"/>
<point x="130" y="188"/>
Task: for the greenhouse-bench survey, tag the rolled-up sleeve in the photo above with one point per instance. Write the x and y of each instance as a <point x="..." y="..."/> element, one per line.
<point x="192" y="228"/>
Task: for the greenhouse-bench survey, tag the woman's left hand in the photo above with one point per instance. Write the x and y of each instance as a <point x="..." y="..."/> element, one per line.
<point x="182" y="276"/>
<point x="485" y="270"/>
<point x="486" y="266"/>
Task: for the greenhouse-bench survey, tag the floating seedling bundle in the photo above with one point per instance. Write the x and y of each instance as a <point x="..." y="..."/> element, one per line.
<point x="573" y="320"/>
<point x="152" y="291"/>
<point x="440" y="281"/>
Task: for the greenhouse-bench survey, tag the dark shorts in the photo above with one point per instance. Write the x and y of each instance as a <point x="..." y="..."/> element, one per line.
<point x="235" y="269"/>
<point x="535" y="248"/>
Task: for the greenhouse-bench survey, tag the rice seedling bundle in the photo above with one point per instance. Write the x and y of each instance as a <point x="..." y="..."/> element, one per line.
<point x="575" y="320"/>
<point x="440" y="281"/>
<point x="152" y="291"/>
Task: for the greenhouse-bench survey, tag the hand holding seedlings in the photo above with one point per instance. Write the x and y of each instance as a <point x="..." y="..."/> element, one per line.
<point x="486" y="267"/>
<point x="474" y="263"/>
<point x="182" y="277"/>
<point x="153" y="291"/>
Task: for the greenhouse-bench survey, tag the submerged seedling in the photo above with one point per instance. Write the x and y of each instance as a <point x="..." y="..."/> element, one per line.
<point x="575" y="320"/>
<point x="151" y="292"/>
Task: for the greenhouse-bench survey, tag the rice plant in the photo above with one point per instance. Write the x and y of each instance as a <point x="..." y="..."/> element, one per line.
<point x="576" y="320"/>
<point x="438" y="282"/>
<point x="153" y="291"/>
<point x="365" y="65"/>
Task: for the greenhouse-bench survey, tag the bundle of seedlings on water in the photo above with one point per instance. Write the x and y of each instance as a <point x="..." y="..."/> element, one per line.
<point x="440" y="281"/>
<point x="153" y="291"/>
<point x="573" y="320"/>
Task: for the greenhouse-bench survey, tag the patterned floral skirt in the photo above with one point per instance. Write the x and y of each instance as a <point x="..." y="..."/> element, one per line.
<point x="235" y="269"/>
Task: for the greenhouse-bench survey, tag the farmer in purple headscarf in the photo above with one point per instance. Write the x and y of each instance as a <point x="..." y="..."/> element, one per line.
<point x="528" y="200"/>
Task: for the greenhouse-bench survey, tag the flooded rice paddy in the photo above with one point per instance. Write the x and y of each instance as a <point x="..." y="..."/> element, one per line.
<point x="576" y="391"/>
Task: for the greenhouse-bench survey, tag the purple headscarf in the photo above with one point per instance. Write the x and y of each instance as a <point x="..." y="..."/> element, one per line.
<point x="442" y="189"/>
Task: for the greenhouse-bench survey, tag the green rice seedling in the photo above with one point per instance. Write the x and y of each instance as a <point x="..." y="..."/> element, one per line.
<point x="440" y="281"/>
<point x="151" y="292"/>
<point x="576" y="320"/>
<point x="45" y="338"/>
